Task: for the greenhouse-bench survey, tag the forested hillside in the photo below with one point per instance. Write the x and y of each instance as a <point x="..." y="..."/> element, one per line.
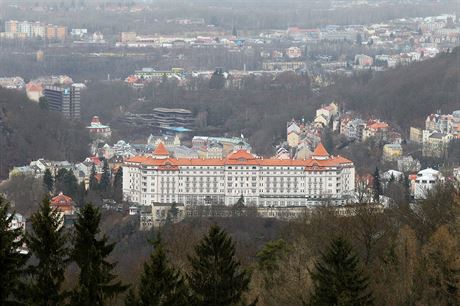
<point x="404" y="95"/>
<point x="28" y="132"/>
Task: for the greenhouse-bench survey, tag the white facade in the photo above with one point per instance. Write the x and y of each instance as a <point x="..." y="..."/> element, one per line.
<point x="18" y="222"/>
<point x="425" y="181"/>
<point x="263" y="182"/>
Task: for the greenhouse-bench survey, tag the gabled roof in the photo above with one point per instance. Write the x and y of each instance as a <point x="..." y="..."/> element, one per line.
<point x="241" y="154"/>
<point x="161" y="150"/>
<point x="61" y="199"/>
<point x="378" y="125"/>
<point x="243" y="157"/>
<point x="320" y="150"/>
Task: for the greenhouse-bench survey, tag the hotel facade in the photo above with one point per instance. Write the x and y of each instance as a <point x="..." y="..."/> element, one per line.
<point x="160" y="178"/>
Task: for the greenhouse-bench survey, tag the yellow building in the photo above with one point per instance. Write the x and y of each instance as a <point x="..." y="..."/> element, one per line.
<point x="392" y="151"/>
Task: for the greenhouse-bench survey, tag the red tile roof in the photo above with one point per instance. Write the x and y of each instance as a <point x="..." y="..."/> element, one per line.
<point x="95" y="160"/>
<point x="320" y="151"/>
<point x="34" y="87"/>
<point x="241" y="157"/>
<point x="61" y="198"/>
<point x="378" y="125"/>
<point x="161" y="150"/>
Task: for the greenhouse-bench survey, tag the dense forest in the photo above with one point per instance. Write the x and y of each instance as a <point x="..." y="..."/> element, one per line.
<point x="28" y="132"/>
<point x="400" y="255"/>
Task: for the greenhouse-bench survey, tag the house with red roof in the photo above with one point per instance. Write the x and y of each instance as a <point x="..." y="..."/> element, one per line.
<point x="62" y="203"/>
<point x="34" y="91"/>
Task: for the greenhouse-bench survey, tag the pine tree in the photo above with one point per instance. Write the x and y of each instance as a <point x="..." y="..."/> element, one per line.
<point x="104" y="185"/>
<point x="377" y="188"/>
<point x="118" y="186"/>
<point x="47" y="243"/>
<point x="160" y="283"/>
<point x="407" y="187"/>
<point x="67" y="183"/>
<point x="80" y="199"/>
<point x="217" y="278"/>
<point x="43" y="103"/>
<point x="48" y="181"/>
<point x="93" y="184"/>
<point x="59" y="180"/>
<point x="71" y="187"/>
<point x="11" y="260"/>
<point x="173" y="213"/>
<point x="337" y="278"/>
<point x="96" y="282"/>
<point x="238" y="208"/>
<point x="234" y="31"/>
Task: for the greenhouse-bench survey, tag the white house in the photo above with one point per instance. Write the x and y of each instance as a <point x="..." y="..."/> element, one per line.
<point x="425" y="181"/>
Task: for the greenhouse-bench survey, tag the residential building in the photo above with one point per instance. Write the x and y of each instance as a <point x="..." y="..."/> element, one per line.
<point x="64" y="204"/>
<point x="435" y="144"/>
<point x="146" y="218"/>
<point x="293" y="134"/>
<point x="65" y="100"/>
<point x="283" y="66"/>
<point x="392" y="151"/>
<point x="363" y="60"/>
<point x="126" y="37"/>
<point x="97" y="130"/>
<point x="34" y="91"/>
<point x="11" y="26"/>
<point x="293" y="52"/>
<point x="12" y="83"/>
<point x="415" y="135"/>
<point x="18" y="222"/>
<point x="377" y="129"/>
<point x="426" y="180"/>
<point x="159" y="178"/>
<point x="353" y="128"/>
<point x="218" y="147"/>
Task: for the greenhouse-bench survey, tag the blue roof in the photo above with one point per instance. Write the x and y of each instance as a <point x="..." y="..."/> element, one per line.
<point x="177" y="129"/>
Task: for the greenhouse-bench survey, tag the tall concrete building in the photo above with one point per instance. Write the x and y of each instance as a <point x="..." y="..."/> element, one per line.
<point x="65" y="100"/>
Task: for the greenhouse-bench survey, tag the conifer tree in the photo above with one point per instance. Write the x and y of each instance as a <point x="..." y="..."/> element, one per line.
<point x="96" y="283"/>
<point x="337" y="278"/>
<point x="238" y="207"/>
<point x="173" y="213"/>
<point x="93" y="184"/>
<point x="12" y="261"/>
<point x="67" y="183"/>
<point x="59" y="180"/>
<point x="234" y="31"/>
<point x="81" y="196"/>
<point x="118" y="186"/>
<point x="48" y="245"/>
<point x="71" y="185"/>
<point x="217" y="277"/>
<point x="48" y="180"/>
<point x="104" y="185"/>
<point x="160" y="283"/>
<point x="377" y="188"/>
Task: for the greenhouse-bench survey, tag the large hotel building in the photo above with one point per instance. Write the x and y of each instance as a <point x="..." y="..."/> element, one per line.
<point x="159" y="178"/>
